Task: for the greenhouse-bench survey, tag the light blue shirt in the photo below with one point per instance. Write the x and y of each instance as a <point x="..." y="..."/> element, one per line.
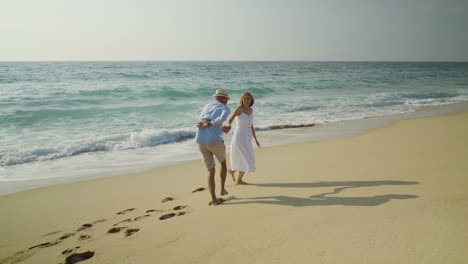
<point x="218" y="113"/>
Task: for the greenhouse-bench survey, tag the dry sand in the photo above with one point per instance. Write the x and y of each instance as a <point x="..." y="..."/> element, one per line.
<point x="396" y="194"/>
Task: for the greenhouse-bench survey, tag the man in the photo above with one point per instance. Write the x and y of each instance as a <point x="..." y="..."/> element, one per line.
<point x="211" y="143"/>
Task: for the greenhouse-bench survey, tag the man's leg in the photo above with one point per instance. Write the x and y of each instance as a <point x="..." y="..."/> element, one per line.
<point x="212" y="185"/>
<point x="219" y="150"/>
<point x="223" y="174"/>
<point x="210" y="165"/>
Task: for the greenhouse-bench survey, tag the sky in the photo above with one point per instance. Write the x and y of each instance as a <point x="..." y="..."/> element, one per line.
<point x="226" y="30"/>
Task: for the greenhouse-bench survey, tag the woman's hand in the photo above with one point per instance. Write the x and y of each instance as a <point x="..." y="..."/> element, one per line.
<point x="258" y="144"/>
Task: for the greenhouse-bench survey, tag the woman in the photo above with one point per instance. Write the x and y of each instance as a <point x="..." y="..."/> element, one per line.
<point x="242" y="154"/>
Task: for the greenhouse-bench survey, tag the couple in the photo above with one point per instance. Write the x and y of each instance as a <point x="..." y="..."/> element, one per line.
<point x="210" y="143"/>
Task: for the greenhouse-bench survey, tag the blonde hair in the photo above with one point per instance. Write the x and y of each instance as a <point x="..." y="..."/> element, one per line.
<point x="241" y="101"/>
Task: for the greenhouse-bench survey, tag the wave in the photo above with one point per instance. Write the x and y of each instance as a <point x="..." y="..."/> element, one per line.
<point x="276" y="127"/>
<point x="134" y="140"/>
<point x="134" y="75"/>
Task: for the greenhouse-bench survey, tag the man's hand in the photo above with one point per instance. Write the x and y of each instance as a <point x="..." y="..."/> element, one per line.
<point x="204" y="123"/>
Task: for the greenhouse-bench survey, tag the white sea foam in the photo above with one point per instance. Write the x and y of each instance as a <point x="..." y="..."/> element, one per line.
<point x="145" y="138"/>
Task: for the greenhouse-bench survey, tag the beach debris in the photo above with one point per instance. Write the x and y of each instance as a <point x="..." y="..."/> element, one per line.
<point x="131" y="231"/>
<point x="166" y="216"/>
<point x="125" y="211"/>
<point x="77" y="257"/>
<point x="167" y="199"/>
<point x="198" y="190"/>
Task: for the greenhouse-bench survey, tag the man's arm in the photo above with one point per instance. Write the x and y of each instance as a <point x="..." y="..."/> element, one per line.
<point x="220" y="119"/>
<point x="204" y="123"/>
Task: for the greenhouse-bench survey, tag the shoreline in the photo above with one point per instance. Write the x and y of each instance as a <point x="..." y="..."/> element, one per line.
<point x="393" y="194"/>
<point x="321" y="132"/>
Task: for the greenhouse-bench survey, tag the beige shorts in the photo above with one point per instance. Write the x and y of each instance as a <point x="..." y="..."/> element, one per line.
<point x="216" y="148"/>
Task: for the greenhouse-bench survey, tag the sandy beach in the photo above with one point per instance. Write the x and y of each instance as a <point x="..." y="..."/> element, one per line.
<point x="395" y="194"/>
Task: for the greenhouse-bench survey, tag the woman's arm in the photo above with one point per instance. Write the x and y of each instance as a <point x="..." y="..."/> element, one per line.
<point x="237" y="112"/>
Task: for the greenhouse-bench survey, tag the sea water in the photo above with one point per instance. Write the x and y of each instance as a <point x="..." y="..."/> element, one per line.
<point x="66" y="121"/>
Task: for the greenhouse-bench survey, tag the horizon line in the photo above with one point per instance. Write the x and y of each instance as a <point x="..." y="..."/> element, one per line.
<point x="441" y="61"/>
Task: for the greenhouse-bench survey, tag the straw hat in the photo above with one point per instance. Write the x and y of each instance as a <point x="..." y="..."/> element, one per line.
<point x="221" y="92"/>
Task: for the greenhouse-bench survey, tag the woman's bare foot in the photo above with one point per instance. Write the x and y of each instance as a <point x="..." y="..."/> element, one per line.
<point x="241" y="183"/>
<point x="232" y="174"/>
<point x="224" y="192"/>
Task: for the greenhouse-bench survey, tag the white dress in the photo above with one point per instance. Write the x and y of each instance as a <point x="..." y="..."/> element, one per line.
<point x="242" y="154"/>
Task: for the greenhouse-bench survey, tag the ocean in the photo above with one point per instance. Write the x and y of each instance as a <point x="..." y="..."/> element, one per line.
<point x="69" y="121"/>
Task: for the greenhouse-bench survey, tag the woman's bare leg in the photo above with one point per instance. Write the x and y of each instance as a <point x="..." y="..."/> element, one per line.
<point x="239" y="179"/>
<point x="233" y="172"/>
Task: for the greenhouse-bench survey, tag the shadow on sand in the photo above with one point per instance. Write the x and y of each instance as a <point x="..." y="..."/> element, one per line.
<point x="325" y="200"/>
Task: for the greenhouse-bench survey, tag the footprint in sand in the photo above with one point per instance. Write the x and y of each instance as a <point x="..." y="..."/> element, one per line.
<point x="167" y="199"/>
<point x="67" y="235"/>
<point x="166" y="216"/>
<point x="198" y="190"/>
<point x="153" y="210"/>
<point x="99" y="221"/>
<point x="123" y="221"/>
<point x="53" y="233"/>
<point x="84" y="237"/>
<point x="77" y="257"/>
<point x="44" y="245"/>
<point x="180" y="207"/>
<point x="126" y="211"/>
<point x="70" y="250"/>
<point x="140" y="217"/>
<point x="181" y="213"/>
<point x="115" y="229"/>
<point x="84" y="227"/>
<point x="131" y="231"/>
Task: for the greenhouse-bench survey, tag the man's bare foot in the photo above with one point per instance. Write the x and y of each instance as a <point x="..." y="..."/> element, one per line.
<point x="241" y="183"/>
<point x="232" y="174"/>
<point x="213" y="203"/>
<point x="218" y="202"/>
<point x="224" y="192"/>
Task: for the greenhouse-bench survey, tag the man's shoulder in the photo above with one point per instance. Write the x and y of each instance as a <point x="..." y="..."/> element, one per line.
<point x="220" y="105"/>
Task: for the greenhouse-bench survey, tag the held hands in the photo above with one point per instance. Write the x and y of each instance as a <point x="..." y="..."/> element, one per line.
<point x="206" y="123"/>
<point x="226" y="129"/>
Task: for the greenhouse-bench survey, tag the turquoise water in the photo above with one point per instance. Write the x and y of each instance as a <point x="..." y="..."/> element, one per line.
<point x="52" y="111"/>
